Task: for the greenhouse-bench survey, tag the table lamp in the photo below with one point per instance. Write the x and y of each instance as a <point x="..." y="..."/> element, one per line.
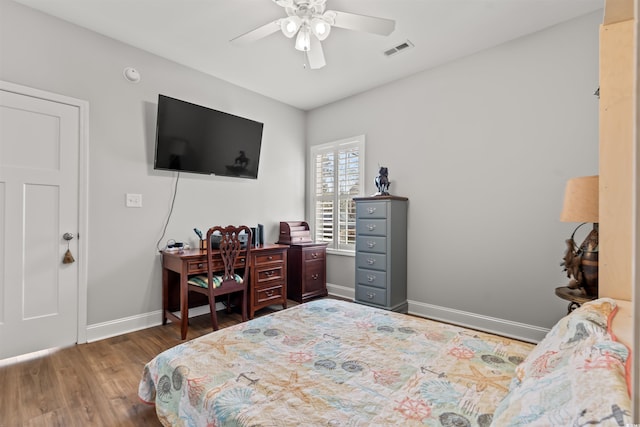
<point x="581" y="205"/>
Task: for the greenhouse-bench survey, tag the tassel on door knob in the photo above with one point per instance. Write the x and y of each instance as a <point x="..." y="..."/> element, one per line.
<point x="68" y="257"/>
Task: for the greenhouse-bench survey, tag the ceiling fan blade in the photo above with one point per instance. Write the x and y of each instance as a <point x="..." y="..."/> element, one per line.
<point x="315" y="54"/>
<point x="258" y="33"/>
<point x="370" y="24"/>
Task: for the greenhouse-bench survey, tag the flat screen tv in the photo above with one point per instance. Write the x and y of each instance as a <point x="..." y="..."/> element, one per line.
<point x="193" y="138"/>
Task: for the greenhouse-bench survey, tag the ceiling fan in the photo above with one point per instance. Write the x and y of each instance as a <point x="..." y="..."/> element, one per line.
<point x="312" y="24"/>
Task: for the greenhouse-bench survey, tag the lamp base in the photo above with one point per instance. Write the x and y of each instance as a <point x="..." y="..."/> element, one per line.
<point x="582" y="262"/>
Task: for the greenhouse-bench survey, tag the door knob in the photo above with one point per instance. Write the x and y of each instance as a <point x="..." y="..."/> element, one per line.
<point x="68" y="236"/>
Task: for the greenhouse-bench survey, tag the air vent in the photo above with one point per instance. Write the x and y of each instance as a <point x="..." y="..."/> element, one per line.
<point x="399" y="48"/>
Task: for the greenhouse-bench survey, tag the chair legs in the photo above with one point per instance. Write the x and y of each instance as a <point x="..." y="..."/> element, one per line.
<point x="244" y="305"/>
<point x="214" y="315"/>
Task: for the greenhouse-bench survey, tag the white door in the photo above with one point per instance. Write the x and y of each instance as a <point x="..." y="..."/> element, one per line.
<point x="39" y="193"/>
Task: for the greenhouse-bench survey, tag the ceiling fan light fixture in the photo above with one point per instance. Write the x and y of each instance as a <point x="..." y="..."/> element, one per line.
<point x="320" y="28"/>
<point x="290" y="25"/>
<point x="303" y="41"/>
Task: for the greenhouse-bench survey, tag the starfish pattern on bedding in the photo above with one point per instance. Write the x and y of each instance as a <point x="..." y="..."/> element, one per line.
<point x="483" y="381"/>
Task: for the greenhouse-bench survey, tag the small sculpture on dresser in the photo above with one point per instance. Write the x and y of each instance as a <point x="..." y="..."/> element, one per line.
<point x="382" y="182"/>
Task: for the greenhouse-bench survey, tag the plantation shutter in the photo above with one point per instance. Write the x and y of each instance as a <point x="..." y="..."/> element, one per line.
<point x="336" y="181"/>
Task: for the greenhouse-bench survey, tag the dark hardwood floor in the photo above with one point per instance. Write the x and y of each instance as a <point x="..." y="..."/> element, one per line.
<point x="93" y="384"/>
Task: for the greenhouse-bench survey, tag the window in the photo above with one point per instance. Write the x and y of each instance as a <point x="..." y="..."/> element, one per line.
<point x="337" y="176"/>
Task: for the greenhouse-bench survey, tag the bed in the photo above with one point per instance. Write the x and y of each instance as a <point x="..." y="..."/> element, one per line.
<point x="336" y="363"/>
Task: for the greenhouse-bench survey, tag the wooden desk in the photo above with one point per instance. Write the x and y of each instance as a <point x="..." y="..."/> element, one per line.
<point x="267" y="281"/>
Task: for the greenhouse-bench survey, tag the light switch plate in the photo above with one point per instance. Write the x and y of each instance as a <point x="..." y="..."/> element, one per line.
<point x="133" y="200"/>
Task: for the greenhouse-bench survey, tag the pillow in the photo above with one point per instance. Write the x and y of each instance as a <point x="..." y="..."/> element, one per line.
<point x="203" y="282"/>
<point x="575" y="376"/>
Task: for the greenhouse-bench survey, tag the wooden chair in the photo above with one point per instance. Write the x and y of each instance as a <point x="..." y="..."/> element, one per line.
<point x="232" y="258"/>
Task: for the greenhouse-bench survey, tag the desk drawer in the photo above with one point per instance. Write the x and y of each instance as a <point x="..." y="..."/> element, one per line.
<point x="269" y="274"/>
<point x="268" y="293"/>
<point x="198" y="267"/>
<point x="270" y="257"/>
<point x="195" y="267"/>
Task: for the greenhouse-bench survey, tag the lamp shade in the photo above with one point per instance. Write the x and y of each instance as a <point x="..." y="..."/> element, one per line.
<point x="581" y="200"/>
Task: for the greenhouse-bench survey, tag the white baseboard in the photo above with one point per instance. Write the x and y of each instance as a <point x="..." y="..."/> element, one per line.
<point x="341" y="291"/>
<point x="494" y="325"/>
<point x="100" y="331"/>
<point x="112" y="328"/>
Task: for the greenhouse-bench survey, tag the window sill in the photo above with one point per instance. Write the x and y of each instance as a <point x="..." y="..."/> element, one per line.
<point x="341" y="252"/>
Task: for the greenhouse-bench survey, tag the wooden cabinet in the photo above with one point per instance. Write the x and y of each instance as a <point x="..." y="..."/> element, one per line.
<point x="307" y="271"/>
<point x="268" y="279"/>
<point x="381" y="252"/>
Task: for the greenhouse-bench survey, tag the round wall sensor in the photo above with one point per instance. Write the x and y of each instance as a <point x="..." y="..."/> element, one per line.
<point x="131" y="74"/>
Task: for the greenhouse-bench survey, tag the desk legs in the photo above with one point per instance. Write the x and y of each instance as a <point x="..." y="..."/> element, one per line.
<point x="184" y="305"/>
<point x="167" y="277"/>
<point x="165" y="295"/>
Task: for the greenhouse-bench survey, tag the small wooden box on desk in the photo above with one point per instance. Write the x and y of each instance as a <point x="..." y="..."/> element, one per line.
<point x="307" y="263"/>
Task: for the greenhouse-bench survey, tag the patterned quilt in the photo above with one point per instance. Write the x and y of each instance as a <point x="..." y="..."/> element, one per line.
<point x="333" y="363"/>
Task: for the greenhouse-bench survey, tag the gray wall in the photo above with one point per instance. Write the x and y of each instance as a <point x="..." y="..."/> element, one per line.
<point x="482" y="147"/>
<point x="124" y="266"/>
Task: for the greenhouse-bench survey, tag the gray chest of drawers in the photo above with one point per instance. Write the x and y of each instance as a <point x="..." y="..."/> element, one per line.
<point x="381" y="252"/>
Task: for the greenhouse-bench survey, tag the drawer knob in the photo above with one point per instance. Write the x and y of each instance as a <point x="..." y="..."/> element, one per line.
<point x="200" y="265"/>
<point x="371" y="210"/>
<point x="371" y="278"/>
<point x="315" y="276"/>
<point x="371" y="227"/>
<point x="371" y="244"/>
<point x="314" y="255"/>
<point x="269" y="258"/>
<point x="269" y="273"/>
<point x="269" y="293"/>
<point x="371" y="295"/>
<point x="371" y="261"/>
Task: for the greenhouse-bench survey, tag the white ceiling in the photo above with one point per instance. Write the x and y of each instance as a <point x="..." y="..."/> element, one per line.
<point x="196" y="33"/>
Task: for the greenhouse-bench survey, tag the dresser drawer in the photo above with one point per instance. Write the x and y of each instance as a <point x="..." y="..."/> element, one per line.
<point x="314" y="254"/>
<point x="371" y="295"/>
<point x="377" y="279"/>
<point x="314" y="275"/>
<point x="268" y="293"/>
<point x="371" y="261"/>
<point x="371" y="210"/>
<point x="371" y="244"/>
<point x="267" y="258"/>
<point x="371" y="227"/>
